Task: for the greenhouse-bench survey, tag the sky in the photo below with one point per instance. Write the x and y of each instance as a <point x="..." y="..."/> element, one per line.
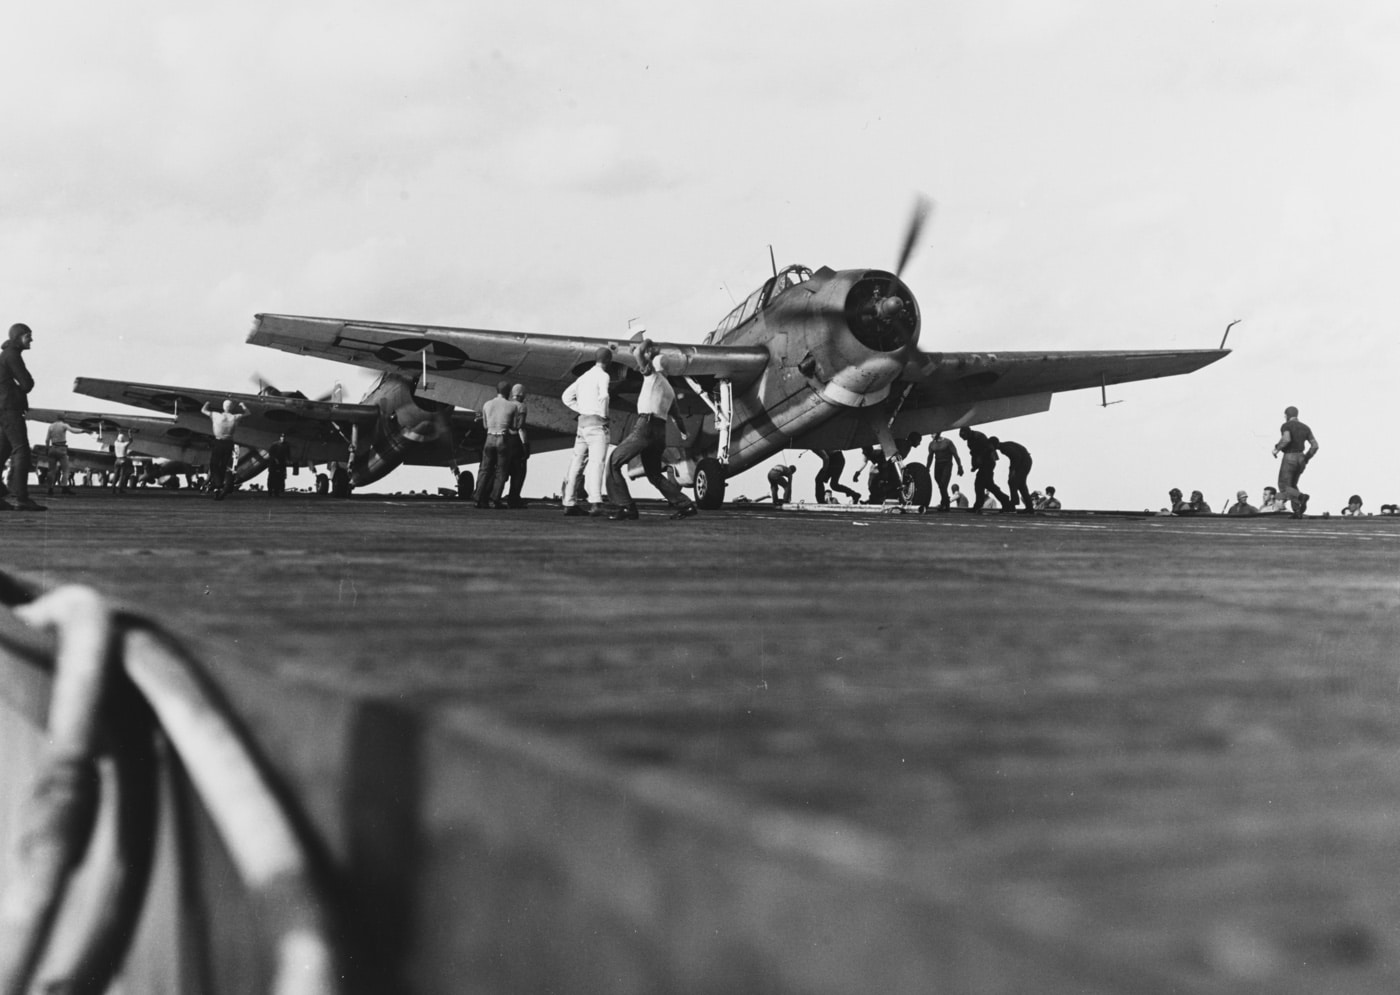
<point x="1105" y="175"/>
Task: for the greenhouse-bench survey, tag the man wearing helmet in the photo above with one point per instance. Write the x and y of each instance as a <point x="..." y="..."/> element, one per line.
<point x="15" y="385"/>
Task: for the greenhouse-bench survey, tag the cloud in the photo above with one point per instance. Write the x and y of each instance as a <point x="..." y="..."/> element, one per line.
<point x="1107" y="176"/>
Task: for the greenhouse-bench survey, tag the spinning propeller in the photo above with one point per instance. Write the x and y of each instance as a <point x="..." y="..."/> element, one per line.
<point x="922" y="207"/>
<point x="893" y="324"/>
<point x="266" y="387"/>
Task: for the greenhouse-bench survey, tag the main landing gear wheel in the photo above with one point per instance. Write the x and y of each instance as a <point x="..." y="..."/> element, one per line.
<point x="466" y="484"/>
<point x="709" y="484"/>
<point x="918" y="487"/>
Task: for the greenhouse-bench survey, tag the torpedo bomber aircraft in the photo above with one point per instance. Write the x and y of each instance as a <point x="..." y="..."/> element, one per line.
<point x="812" y="359"/>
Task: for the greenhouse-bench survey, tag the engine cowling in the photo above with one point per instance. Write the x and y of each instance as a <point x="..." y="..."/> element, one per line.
<point x="406" y="424"/>
<point x="867" y="349"/>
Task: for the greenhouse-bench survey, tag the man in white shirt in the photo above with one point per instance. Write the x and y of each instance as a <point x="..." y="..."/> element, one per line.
<point x="588" y="397"/>
<point x="648" y="440"/>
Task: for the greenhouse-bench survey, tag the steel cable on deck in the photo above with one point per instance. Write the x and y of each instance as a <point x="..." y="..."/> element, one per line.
<point x="258" y="833"/>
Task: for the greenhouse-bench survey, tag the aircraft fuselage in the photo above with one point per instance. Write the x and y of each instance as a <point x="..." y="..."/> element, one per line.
<point x="838" y="341"/>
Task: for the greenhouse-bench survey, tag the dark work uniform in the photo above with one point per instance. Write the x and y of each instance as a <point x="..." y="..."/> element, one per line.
<point x="883" y="482"/>
<point x="833" y="465"/>
<point x="279" y="454"/>
<point x="15" y="385"/>
<point x="943" y="451"/>
<point x="517" y="461"/>
<point x="1016" y="479"/>
<point x="984" y="461"/>
<point x="517" y="458"/>
<point x="1294" y="462"/>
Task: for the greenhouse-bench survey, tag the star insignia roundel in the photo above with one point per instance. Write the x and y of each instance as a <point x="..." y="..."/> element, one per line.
<point x="407" y="354"/>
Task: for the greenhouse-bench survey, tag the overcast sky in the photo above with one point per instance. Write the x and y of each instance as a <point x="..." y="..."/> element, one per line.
<point x="1107" y="175"/>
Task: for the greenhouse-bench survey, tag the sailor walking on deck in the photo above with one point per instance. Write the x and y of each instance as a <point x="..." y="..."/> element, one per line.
<point x="1294" y="438"/>
<point x="647" y="441"/>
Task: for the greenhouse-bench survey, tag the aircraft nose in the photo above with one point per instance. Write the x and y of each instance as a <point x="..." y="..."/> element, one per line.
<point x="889" y="307"/>
<point x="881" y="312"/>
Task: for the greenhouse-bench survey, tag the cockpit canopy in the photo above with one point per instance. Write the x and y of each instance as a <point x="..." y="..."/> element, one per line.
<point x="790" y="276"/>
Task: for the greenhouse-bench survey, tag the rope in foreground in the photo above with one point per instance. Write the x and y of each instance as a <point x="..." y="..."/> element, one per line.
<point x="97" y="656"/>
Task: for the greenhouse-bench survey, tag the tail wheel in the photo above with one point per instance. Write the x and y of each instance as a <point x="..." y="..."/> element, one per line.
<point x="918" y="486"/>
<point x="709" y="483"/>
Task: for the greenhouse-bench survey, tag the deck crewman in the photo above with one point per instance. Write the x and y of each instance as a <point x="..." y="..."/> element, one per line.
<point x="588" y="398"/>
<point x="224" y="421"/>
<point x="647" y="441"/>
<point x="15" y="385"/>
<point x="1298" y="446"/>
<point x="60" y="471"/>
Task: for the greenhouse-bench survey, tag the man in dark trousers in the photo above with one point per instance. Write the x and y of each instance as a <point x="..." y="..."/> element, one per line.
<point x="1294" y="437"/>
<point x="499" y="417"/>
<point x="942" y="454"/>
<point x="883" y="481"/>
<point x="224" y="421"/>
<point x="647" y="440"/>
<point x="833" y="465"/>
<point x="1018" y="476"/>
<point x="780" y="484"/>
<point x="983" y="457"/>
<point x="279" y="454"/>
<point x="517" y="451"/>
<point x="15" y="385"/>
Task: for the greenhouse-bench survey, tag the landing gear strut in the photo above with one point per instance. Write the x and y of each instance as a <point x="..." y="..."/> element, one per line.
<point x="711" y="471"/>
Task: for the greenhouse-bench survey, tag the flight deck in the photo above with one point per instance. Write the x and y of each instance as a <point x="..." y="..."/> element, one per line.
<point x="792" y="750"/>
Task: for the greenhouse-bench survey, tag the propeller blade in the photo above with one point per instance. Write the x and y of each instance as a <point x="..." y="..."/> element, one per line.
<point x="922" y="207"/>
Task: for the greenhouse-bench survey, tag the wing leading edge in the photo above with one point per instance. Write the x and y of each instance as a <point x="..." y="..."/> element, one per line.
<point x="544" y="364"/>
<point x="272" y="412"/>
<point x="965" y="377"/>
<point x="164" y="438"/>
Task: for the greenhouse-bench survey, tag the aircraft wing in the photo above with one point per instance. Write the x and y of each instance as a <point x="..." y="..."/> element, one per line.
<point x="449" y="359"/>
<point x="78" y="459"/>
<point x="271" y="413"/>
<point x="958" y="378"/>
<point x="316" y="429"/>
<point x="165" y="438"/>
